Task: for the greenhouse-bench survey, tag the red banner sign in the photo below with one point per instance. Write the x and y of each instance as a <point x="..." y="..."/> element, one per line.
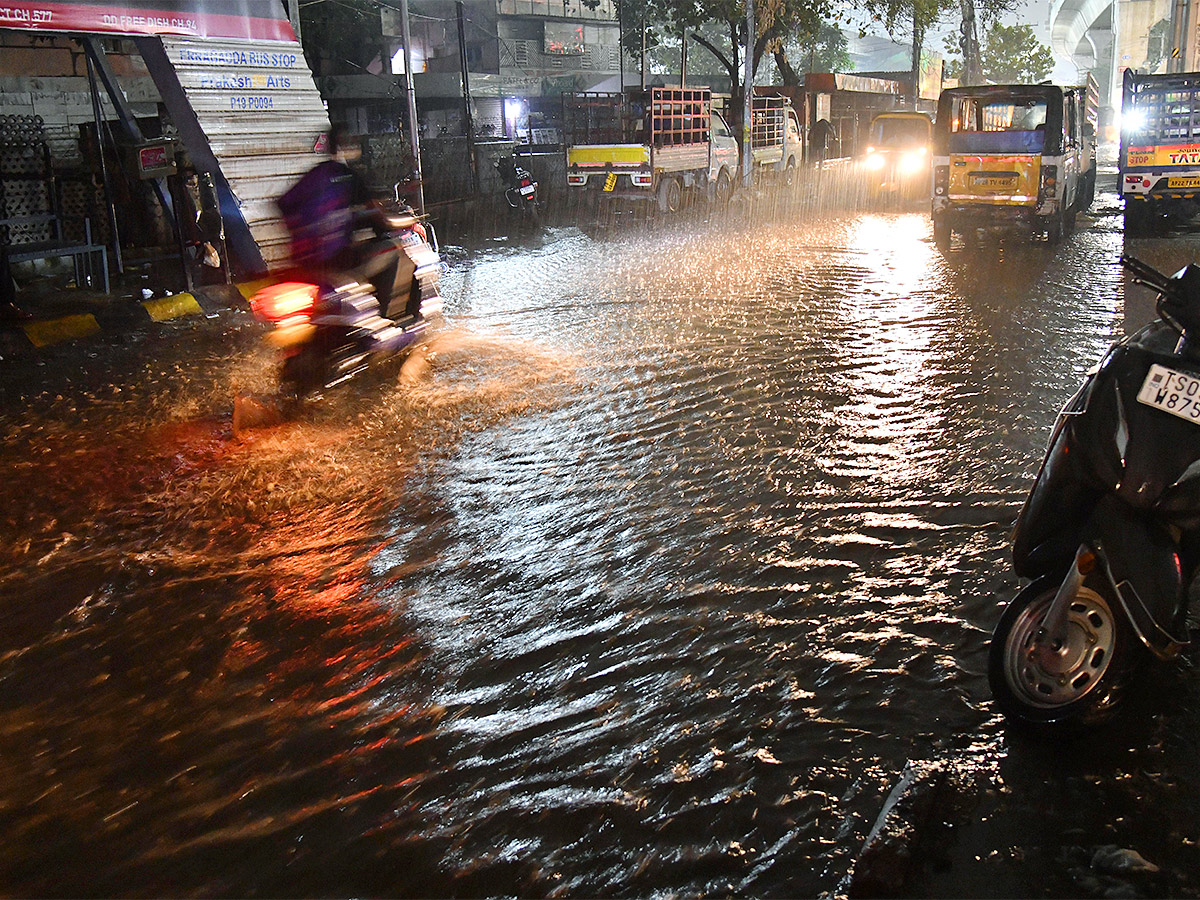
<point x="261" y="20"/>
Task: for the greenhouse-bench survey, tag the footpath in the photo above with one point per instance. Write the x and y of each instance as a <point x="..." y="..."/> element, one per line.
<point x="70" y="314"/>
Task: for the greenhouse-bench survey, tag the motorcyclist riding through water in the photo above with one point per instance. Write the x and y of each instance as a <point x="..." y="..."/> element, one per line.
<point x="325" y="208"/>
<point x="352" y="297"/>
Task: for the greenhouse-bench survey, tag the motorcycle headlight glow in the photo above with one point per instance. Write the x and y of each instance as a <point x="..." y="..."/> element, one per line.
<point x="875" y="162"/>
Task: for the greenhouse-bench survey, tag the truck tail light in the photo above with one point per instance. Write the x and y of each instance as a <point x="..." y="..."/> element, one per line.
<point x="941" y="180"/>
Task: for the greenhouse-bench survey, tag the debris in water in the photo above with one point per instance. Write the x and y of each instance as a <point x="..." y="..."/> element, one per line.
<point x="1116" y="861"/>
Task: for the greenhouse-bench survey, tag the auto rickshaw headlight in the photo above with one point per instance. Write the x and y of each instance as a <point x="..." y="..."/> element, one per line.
<point x="912" y="162"/>
<point x="875" y="162"/>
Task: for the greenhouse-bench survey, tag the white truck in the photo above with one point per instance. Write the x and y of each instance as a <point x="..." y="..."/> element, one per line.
<point x="648" y="144"/>
<point x="775" y="143"/>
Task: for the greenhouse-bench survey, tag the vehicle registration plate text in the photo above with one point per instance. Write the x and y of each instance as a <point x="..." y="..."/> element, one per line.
<point x="1187" y="181"/>
<point x="993" y="182"/>
<point x="1177" y="393"/>
<point x="611" y="181"/>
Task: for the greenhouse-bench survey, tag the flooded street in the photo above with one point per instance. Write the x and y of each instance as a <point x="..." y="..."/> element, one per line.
<point x="647" y="576"/>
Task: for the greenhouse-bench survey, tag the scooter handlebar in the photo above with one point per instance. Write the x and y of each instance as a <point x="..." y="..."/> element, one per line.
<point x="1147" y="275"/>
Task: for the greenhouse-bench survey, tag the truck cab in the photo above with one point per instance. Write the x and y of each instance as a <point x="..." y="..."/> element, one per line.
<point x="775" y="142"/>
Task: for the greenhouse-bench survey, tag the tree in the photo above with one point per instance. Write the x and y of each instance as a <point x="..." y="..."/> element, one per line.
<point x="826" y="51"/>
<point x="917" y="15"/>
<point x="829" y="51"/>
<point x="719" y="26"/>
<point x="1011" y="54"/>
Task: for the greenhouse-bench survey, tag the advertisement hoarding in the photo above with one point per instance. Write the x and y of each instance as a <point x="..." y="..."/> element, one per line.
<point x="237" y="19"/>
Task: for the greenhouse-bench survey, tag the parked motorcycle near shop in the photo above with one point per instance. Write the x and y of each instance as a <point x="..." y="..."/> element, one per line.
<point x="520" y="190"/>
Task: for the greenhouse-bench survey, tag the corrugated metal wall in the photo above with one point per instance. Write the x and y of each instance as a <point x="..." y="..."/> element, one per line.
<point x="262" y="115"/>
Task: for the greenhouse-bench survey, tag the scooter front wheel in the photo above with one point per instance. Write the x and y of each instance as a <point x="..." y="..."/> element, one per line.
<point x="1074" y="682"/>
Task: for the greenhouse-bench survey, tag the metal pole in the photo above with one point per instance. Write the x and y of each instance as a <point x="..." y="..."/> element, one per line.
<point x="683" y="60"/>
<point x="621" y="42"/>
<point x="414" y="138"/>
<point x="466" y="90"/>
<point x="643" y="53"/>
<point x="294" y="17"/>
<point x="108" y="201"/>
<point x="748" y="90"/>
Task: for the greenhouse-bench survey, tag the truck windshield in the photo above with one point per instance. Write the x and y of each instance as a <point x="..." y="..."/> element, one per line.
<point x="900" y="133"/>
<point x="999" y="124"/>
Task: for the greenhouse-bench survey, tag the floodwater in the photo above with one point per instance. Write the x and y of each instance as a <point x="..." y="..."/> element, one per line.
<point x="646" y="576"/>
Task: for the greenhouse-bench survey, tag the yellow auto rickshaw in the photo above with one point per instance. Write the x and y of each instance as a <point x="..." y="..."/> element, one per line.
<point x="898" y="153"/>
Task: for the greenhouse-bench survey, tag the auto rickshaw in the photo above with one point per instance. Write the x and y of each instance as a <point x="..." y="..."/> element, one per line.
<point x="898" y="153"/>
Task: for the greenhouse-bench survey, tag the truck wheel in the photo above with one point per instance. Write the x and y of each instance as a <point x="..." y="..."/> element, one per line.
<point x="724" y="188"/>
<point x="789" y="172"/>
<point x="941" y="234"/>
<point x="1137" y="217"/>
<point x="1055" y="227"/>
<point x="670" y="195"/>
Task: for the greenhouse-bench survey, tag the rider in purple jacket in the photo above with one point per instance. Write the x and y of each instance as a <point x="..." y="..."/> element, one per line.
<point x="325" y="208"/>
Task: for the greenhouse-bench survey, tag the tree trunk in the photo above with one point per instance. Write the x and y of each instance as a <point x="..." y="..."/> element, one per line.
<point x="918" y="41"/>
<point x="789" y="75"/>
<point x="972" y="69"/>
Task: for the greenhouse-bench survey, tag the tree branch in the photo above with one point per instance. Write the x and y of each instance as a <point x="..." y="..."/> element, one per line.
<point x="721" y="57"/>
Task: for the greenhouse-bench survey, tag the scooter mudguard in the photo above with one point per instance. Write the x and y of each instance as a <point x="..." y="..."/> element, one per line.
<point x="1108" y="443"/>
<point x="1141" y="562"/>
<point x="1050" y="526"/>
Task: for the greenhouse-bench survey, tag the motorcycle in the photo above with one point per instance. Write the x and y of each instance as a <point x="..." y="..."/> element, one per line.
<point x="1109" y="536"/>
<point x="520" y="190"/>
<point x="328" y="333"/>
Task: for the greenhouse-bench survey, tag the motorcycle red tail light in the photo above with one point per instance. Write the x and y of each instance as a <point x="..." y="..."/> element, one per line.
<point x="287" y="300"/>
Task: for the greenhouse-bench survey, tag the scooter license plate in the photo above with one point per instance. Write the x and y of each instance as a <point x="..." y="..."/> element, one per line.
<point x="1177" y="393"/>
<point x="527" y="190"/>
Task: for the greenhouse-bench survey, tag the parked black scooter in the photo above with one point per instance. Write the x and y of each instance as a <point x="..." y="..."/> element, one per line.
<point x="520" y="190"/>
<point x="1110" y="533"/>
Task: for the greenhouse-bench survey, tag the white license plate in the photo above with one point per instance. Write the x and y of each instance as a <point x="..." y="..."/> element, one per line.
<point x="1177" y="393"/>
<point x="528" y="189"/>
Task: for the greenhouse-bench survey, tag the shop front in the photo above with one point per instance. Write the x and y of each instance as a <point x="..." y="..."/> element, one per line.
<point x="151" y="134"/>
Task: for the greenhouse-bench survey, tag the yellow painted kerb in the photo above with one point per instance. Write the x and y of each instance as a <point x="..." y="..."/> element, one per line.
<point x="171" y="307"/>
<point x="249" y="288"/>
<point x="66" y="328"/>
